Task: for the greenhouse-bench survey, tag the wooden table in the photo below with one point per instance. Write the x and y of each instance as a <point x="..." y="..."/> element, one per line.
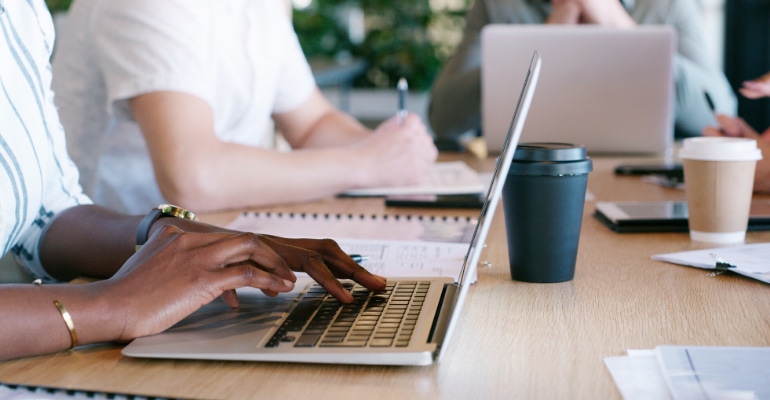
<point x="522" y="340"/>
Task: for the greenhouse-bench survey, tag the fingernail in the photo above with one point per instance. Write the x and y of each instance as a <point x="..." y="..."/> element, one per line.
<point x="288" y="283"/>
<point x="382" y="278"/>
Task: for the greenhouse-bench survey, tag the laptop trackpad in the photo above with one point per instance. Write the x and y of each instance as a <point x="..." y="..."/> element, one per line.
<point x="218" y="328"/>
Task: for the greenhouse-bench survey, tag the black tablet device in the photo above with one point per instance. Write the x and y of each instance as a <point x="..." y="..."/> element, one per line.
<point x="436" y="201"/>
<point x="665" y="216"/>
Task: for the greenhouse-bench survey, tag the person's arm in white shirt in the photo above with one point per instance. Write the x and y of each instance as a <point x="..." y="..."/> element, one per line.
<point x="197" y="170"/>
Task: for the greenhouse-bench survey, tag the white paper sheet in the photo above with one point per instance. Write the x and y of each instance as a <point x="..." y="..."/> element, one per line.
<point x="454" y="177"/>
<point x="752" y="260"/>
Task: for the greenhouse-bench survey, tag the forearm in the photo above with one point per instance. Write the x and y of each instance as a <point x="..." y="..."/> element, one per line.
<point x="316" y="123"/>
<point x="32" y="325"/>
<point x="334" y="128"/>
<point x="88" y="240"/>
<point x="233" y="176"/>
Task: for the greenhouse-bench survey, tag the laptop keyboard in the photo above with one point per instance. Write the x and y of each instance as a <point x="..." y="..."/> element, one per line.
<point x="374" y="319"/>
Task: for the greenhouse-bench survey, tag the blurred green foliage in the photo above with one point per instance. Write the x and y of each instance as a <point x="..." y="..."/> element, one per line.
<point x="58" y="5"/>
<point x="403" y="38"/>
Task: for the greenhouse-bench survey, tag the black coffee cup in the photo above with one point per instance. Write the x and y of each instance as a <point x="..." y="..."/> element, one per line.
<point x="543" y="201"/>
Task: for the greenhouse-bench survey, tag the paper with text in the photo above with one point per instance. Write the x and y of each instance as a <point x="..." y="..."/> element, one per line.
<point x="406" y="259"/>
<point x="715" y="372"/>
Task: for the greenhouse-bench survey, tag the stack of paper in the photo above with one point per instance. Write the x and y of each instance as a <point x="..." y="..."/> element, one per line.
<point x="693" y="372"/>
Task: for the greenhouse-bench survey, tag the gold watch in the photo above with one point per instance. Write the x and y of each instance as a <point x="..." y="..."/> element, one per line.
<point x="163" y="210"/>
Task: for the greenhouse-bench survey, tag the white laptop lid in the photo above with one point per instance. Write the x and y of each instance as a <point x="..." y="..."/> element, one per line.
<point x="608" y="89"/>
<point x="508" y="148"/>
<point x="216" y="332"/>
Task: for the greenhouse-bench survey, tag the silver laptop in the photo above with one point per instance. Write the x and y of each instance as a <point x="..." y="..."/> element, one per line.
<point x="409" y="323"/>
<point x="608" y="89"/>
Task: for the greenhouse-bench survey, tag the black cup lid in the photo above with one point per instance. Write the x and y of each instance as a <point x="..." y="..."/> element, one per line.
<point x="548" y="158"/>
<point x="549" y="151"/>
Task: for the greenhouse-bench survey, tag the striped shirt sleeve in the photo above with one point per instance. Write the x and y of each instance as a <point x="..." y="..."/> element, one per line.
<point x="37" y="177"/>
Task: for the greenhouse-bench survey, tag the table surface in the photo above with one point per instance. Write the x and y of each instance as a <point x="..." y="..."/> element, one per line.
<point x="515" y="339"/>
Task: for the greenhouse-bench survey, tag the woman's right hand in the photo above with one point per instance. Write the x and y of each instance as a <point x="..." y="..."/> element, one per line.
<point x="177" y="272"/>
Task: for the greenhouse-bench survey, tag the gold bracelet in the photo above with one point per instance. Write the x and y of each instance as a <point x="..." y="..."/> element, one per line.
<point x="68" y="321"/>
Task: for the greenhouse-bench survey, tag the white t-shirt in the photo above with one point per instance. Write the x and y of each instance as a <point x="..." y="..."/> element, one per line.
<point x="241" y="56"/>
<point x="37" y="177"/>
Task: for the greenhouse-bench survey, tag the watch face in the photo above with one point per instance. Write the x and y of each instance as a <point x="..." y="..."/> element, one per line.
<point x="163" y="210"/>
<point x="176" y="211"/>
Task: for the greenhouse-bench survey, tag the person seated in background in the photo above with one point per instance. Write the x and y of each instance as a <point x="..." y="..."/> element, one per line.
<point x="172" y="100"/>
<point x="455" y="98"/>
<point x="57" y="234"/>
<point x="737" y="127"/>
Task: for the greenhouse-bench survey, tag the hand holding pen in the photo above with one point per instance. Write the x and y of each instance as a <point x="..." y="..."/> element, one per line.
<point x="401" y="151"/>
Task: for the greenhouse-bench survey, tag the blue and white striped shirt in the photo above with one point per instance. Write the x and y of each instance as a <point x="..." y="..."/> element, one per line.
<point x="37" y="177"/>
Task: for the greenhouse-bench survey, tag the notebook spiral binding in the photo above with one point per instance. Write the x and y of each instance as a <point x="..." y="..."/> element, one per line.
<point x="340" y="216"/>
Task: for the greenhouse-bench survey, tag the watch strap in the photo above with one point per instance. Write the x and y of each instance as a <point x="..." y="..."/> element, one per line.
<point x="143" y="232"/>
<point x="163" y="210"/>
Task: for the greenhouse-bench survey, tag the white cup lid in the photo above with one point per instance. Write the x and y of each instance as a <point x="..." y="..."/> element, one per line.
<point x="718" y="148"/>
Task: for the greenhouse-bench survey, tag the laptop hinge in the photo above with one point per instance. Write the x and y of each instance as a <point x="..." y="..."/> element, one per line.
<point x="441" y="320"/>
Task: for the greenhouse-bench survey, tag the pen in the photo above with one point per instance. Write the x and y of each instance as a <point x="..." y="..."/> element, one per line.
<point x="712" y="107"/>
<point x="358" y="258"/>
<point x="403" y="88"/>
<point x="710" y="102"/>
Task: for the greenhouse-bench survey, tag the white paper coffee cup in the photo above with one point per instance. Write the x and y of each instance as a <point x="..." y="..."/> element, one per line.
<point x="719" y="181"/>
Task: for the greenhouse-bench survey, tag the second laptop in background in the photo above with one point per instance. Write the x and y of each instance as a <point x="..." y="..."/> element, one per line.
<point x="608" y="89"/>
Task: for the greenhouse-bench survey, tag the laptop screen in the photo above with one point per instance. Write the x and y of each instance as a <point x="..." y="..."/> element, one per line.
<point x="495" y="189"/>
<point x="594" y="91"/>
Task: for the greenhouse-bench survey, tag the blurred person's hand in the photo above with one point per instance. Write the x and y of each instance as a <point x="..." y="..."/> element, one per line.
<point x="395" y="155"/>
<point x="757" y="88"/>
